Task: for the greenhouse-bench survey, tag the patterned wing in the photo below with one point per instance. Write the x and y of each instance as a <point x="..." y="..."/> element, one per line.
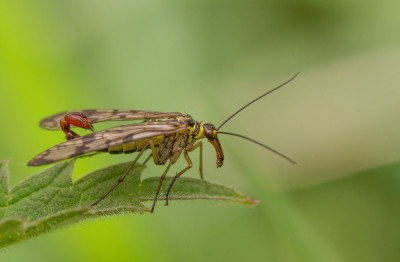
<point x="101" y="140"/>
<point x="101" y="115"/>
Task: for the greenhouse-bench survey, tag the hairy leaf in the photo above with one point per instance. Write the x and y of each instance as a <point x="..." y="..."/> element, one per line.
<point x="50" y="199"/>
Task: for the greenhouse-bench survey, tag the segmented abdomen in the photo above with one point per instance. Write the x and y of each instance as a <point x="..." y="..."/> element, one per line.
<point x="134" y="146"/>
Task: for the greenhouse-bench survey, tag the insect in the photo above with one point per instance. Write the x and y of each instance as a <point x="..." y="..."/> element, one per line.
<point x="167" y="135"/>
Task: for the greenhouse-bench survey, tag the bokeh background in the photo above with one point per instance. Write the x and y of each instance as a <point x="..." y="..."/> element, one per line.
<point x="339" y="120"/>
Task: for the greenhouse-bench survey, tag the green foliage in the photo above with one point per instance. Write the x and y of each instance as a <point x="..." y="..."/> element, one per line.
<point x="50" y="199"/>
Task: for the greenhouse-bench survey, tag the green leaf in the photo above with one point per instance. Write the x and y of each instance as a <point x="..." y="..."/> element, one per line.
<point x="50" y="199"/>
<point x="11" y="231"/>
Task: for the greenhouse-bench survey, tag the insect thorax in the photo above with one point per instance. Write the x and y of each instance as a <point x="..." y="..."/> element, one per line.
<point x="171" y="145"/>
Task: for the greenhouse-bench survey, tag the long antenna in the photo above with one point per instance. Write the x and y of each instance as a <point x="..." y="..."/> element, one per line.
<point x="243" y="107"/>
<point x="260" y="144"/>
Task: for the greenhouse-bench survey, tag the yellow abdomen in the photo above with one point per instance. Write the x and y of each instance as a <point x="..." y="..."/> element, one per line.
<point x="134" y="146"/>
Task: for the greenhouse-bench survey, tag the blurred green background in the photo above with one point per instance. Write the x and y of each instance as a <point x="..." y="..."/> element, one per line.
<point x="339" y="120"/>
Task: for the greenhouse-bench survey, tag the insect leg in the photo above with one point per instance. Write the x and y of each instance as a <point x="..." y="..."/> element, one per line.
<point x="121" y="179"/>
<point x="171" y="161"/>
<point x="199" y="144"/>
<point x="147" y="159"/>
<point x="186" y="155"/>
<point x="154" y="153"/>
<point x="159" y="186"/>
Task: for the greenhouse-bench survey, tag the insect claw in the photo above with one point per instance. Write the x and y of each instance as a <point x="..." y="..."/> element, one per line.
<point x="76" y="119"/>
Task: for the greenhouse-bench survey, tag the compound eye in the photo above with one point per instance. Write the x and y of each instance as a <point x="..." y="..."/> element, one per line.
<point x="209" y="131"/>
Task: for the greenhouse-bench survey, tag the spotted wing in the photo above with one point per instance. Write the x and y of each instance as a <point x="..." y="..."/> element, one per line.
<point x="104" y="139"/>
<point x="101" y="115"/>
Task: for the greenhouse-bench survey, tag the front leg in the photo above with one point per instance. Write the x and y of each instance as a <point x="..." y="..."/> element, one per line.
<point x="190" y="164"/>
<point x="200" y="145"/>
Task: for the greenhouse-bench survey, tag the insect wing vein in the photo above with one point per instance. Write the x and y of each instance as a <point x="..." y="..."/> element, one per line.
<point x="106" y="138"/>
<point x="102" y="115"/>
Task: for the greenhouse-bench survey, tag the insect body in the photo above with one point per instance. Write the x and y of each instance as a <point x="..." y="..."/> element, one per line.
<point x="167" y="135"/>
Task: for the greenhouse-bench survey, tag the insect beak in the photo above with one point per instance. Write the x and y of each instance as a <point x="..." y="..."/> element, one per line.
<point x="218" y="149"/>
